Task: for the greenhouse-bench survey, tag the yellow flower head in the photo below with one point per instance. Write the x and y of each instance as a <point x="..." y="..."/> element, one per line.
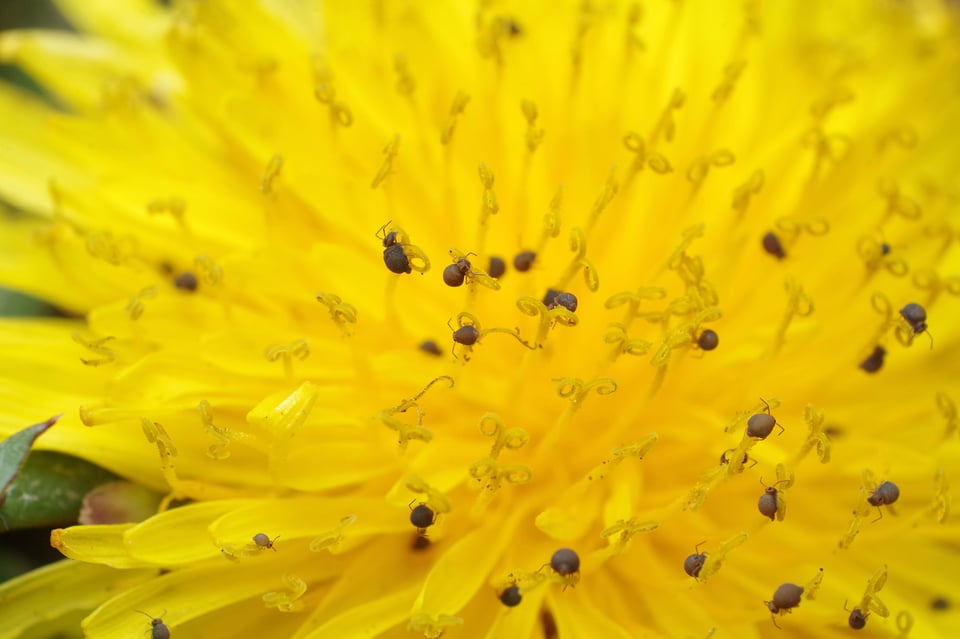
<point x="494" y="319"/>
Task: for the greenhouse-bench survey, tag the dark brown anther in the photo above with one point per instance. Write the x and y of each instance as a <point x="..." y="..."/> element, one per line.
<point x="772" y="245"/>
<point x="186" y="282"/>
<point x="874" y="362"/>
<point x="430" y="347"/>
<point x="524" y="260"/>
<point x="497" y="267"/>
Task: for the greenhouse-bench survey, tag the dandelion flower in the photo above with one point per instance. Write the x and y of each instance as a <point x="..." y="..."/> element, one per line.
<point x="274" y="224"/>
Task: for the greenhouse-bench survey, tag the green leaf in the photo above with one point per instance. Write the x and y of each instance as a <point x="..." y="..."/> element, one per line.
<point x="17" y="304"/>
<point x="49" y="490"/>
<point x="14" y="451"/>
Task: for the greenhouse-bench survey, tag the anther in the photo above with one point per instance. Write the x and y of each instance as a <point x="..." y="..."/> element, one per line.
<point x="497" y="267"/>
<point x="523" y="260"/>
<point x="874" y="362"/>
<point x="186" y="282"/>
<point x="772" y="245"/>
<point x="430" y="347"/>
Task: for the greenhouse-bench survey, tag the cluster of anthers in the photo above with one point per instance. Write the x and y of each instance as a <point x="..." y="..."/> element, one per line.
<point x="559" y="306"/>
